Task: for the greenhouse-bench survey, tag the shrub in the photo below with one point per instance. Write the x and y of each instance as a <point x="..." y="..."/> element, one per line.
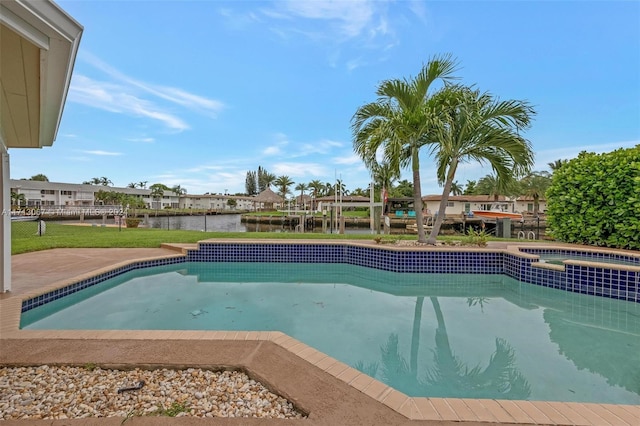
<point x="595" y="199"/>
<point x="132" y="222"/>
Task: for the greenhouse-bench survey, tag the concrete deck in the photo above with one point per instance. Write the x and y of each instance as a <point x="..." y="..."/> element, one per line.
<point x="331" y="392"/>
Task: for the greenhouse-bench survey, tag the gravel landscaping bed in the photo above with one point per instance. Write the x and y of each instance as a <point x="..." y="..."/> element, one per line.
<point x="47" y="392"/>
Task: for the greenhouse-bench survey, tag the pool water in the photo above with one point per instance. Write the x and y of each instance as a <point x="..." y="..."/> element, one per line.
<point x="557" y="259"/>
<point x="436" y="335"/>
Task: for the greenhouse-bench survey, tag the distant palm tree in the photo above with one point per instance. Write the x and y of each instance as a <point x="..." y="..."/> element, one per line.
<point x="132" y="185"/>
<point x="398" y="123"/>
<point x="104" y="181"/>
<point x="534" y="185"/>
<point x="157" y="192"/>
<point x="383" y="176"/>
<point x="316" y="188"/>
<point x="179" y="190"/>
<point x="494" y="187"/>
<point x="470" y="187"/>
<point x="17" y="199"/>
<point x="555" y="165"/>
<point x="142" y="184"/>
<point x="301" y="187"/>
<point x="268" y="179"/>
<point x="283" y="183"/>
<point x="456" y="189"/>
<point x="475" y="126"/>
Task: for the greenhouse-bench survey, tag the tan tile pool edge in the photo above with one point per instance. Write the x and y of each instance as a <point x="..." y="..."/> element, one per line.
<point x="413" y="408"/>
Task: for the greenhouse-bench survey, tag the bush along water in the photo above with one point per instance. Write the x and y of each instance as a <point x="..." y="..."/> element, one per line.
<point x="595" y="199"/>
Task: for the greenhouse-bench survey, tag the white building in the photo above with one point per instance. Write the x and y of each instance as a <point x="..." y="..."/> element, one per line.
<point x="458" y="204"/>
<point x="69" y="195"/>
<point x="39" y="46"/>
<point x="218" y="202"/>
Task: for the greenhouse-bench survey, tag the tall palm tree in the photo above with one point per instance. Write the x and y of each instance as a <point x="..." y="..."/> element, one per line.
<point x="534" y="185"/>
<point x="475" y="126"/>
<point x="383" y="177"/>
<point x="398" y="123"/>
<point x="316" y="188"/>
<point x="301" y="187"/>
<point x="283" y="183"/>
<point x="268" y="179"/>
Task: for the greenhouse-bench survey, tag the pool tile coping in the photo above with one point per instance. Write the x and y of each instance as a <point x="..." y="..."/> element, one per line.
<point x="413" y="408"/>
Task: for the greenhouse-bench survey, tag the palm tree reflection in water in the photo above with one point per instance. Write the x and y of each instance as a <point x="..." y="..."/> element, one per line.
<point x="449" y="376"/>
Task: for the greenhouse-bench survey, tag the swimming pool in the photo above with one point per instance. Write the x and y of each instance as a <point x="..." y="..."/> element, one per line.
<point x="424" y="334"/>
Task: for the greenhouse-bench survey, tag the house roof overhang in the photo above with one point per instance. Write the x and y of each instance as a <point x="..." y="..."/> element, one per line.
<point x="38" y="45"/>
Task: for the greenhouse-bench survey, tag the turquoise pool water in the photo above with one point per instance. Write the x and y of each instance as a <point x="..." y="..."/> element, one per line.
<point x="558" y="259"/>
<point x="439" y="335"/>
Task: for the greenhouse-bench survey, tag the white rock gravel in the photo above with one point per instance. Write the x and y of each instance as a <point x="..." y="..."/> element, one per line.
<point x="48" y="392"/>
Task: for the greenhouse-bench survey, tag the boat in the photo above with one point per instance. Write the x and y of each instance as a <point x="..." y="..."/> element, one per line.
<point x="497" y="213"/>
<point x="24" y="218"/>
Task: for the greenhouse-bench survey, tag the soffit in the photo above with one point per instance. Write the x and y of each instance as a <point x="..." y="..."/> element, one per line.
<point x="38" y="43"/>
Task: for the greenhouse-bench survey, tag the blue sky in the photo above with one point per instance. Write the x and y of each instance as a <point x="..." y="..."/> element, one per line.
<point x="197" y="93"/>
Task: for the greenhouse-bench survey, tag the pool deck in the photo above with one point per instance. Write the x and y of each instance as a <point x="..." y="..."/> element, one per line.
<point x="333" y="393"/>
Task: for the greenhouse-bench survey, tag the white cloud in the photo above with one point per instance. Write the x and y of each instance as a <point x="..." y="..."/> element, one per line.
<point x="272" y="150"/>
<point x="348" y="160"/>
<point x="351" y="18"/>
<point x="298" y="169"/>
<point x="323" y="146"/>
<point x="178" y="96"/>
<point x="119" y="99"/>
<point x="144" y="140"/>
<point x="102" y="153"/>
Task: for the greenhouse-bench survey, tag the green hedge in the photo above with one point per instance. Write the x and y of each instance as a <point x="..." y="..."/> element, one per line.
<point x="595" y="199"/>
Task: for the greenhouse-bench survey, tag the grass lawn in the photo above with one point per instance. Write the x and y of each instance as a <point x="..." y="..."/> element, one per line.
<point x="25" y="239"/>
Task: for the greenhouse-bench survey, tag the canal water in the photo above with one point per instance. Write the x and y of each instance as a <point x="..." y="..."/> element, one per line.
<point x="223" y="223"/>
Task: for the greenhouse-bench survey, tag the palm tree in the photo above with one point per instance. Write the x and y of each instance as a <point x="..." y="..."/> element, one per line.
<point x="470" y="187"/>
<point x="268" y="179"/>
<point x="384" y="175"/>
<point x="17" y="199"/>
<point x="398" y="123"/>
<point x="534" y="185"/>
<point x="456" y="189"/>
<point x="132" y="185"/>
<point x="316" y="188"/>
<point x="301" y="187"/>
<point x="157" y="192"/>
<point x="179" y="190"/>
<point x="283" y="183"/>
<point x="474" y="126"/>
<point x="555" y="165"/>
<point x="494" y="187"/>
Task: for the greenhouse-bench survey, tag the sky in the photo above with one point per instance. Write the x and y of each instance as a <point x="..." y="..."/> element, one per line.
<point x="198" y="93"/>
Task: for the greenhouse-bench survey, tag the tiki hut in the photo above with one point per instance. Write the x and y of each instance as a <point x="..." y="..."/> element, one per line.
<point x="267" y="198"/>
